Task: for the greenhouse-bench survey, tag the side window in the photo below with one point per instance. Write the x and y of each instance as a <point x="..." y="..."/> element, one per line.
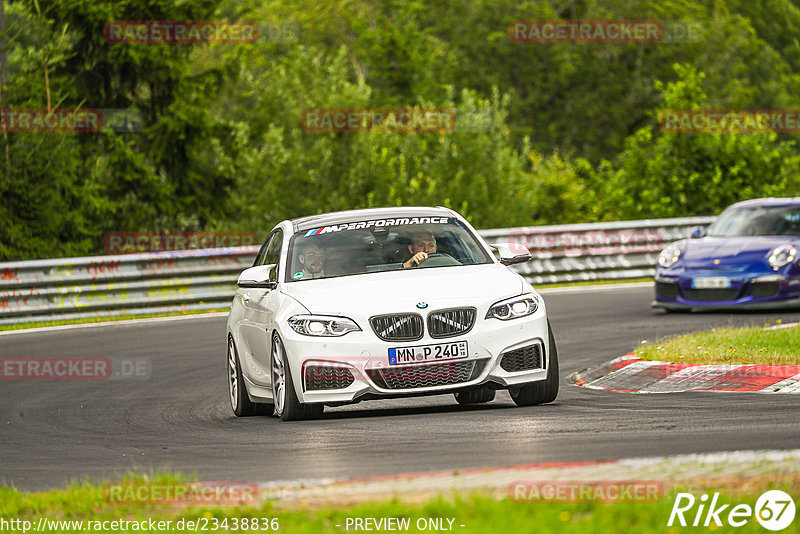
<point x="262" y="252"/>
<point x="274" y="248"/>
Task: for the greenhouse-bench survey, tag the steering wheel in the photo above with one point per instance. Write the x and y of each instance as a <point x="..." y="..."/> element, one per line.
<point x="439" y="259"/>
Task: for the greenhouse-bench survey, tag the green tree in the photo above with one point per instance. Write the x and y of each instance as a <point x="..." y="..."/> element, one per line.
<point x="679" y="174"/>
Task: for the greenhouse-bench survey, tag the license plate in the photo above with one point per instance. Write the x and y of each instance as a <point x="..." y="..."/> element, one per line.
<point x="428" y="353"/>
<point x="711" y="282"/>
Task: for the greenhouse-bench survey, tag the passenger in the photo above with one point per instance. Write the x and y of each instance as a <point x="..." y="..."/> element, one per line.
<point x="422" y="244"/>
<point x="312" y="257"/>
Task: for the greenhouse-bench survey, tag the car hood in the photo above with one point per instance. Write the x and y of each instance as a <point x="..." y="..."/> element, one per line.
<point x="740" y="250"/>
<point x="400" y="291"/>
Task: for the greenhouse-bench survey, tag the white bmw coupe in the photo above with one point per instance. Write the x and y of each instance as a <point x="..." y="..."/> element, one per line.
<point x="380" y="303"/>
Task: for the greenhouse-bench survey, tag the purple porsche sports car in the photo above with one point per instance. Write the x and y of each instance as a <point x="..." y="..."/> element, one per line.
<point x="747" y="258"/>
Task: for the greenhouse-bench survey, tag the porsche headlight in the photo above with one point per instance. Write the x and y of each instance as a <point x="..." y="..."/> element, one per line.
<point x="514" y="307"/>
<point x="783" y="255"/>
<point x="669" y="256"/>
<point x="322" y="325"/>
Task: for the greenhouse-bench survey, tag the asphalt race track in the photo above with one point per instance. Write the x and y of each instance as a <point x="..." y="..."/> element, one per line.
<point x="179" y="419"/>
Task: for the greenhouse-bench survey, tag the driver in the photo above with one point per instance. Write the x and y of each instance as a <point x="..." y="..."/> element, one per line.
<point x="422" y="244"/>
<point x="764" y="225"/>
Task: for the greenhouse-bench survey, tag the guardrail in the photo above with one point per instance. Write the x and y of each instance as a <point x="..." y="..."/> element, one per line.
<point x="175" y="281"/>
<point x="598" y="251"/>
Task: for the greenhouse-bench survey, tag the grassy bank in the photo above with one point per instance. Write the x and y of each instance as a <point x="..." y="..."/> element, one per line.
<point x="469" y="513"/>
<point x="89" y="320"/>
<point x="754" y="345"/>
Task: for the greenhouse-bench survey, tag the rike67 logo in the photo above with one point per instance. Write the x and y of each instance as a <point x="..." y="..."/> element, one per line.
<point x="774" y="510"/>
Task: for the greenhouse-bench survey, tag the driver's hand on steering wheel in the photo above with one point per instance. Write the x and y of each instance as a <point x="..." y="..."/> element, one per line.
<point x="416" y="259"/>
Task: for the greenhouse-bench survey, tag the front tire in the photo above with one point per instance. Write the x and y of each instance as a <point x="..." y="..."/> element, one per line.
<point x="237" y="392"/>
<point x="287" y="406"/>
<point x="545" y="390"/>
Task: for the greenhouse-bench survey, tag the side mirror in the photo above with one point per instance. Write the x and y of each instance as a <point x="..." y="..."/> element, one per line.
<point x="697" y="232"/>
<point x="513" y="253"/>
<point x="261" y="276"/>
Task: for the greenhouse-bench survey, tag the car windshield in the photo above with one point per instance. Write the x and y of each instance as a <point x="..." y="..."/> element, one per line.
<point x="377" y="245"/>
<point x="758" y="220"/>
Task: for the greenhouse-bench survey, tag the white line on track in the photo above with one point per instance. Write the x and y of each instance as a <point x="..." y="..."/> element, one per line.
<point x="599" y="287"/>
<point x="126" y="322"/>
<point x="663" y="468"/>
<point x="781" y="326"/>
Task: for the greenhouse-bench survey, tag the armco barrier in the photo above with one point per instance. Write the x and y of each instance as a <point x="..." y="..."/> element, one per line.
<point x="185" y="280"/>
<point x="599" y="251"/>
<point x="97" y="286"/>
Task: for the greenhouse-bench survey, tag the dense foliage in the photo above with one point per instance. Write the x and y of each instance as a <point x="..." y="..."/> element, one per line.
<point x="568" y="132"/>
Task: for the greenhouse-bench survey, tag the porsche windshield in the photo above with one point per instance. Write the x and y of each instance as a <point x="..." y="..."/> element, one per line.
<point x="382" y="245"/>
<point x="759" y="220"/>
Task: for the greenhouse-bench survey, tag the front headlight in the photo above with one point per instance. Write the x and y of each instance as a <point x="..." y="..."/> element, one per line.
<point x="514" y="307"/>
<point x="669" y="256"/>
<point x="783" y="255"/>
<point x="322" y="325"/>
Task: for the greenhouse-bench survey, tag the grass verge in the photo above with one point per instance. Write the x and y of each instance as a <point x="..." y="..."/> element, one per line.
<point x="469" y="513"/>
<point x="753" y="345"/>
<point x="89" y="320"/>
<point x="595" y="283"/>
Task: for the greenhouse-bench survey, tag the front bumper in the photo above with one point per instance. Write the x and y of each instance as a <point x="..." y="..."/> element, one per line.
<point x="356" y="366"/>
<point x="754" y="291"/>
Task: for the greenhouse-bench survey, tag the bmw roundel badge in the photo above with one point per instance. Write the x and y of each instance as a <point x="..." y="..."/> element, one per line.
<point x="422" y="305"/>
